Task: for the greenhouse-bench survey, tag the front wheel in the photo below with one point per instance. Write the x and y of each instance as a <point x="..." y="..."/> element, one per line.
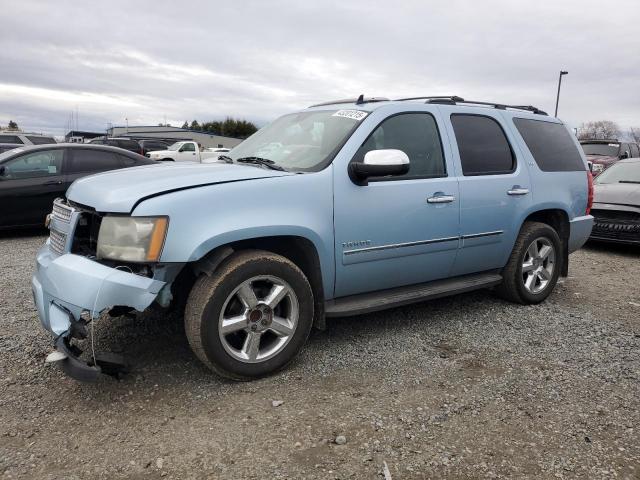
<point x="534" y="265"/>
<point x="251" y="317"/>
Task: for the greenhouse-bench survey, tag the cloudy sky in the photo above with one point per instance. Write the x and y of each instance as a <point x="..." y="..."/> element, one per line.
<point x="149" y="60"/>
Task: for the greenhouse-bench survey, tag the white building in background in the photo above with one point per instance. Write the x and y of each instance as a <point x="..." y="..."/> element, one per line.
<point x="207" y="140"/>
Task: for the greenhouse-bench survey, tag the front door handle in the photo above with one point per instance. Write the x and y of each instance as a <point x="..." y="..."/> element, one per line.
<point x="53" y="182"/>
<point x="517" y="191"/>
<point x="441" y="199"/>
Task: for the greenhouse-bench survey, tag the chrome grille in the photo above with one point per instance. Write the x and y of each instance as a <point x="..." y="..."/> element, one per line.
<point x="61" y="211"/>
<point x="57" y="242"/>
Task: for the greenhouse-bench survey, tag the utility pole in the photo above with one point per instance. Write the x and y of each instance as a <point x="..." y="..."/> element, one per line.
<point x="562" y="72"/>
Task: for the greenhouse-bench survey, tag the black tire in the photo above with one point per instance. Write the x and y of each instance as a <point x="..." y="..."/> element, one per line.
<point x="208" y="297"/>
<point x="513" y="285"/>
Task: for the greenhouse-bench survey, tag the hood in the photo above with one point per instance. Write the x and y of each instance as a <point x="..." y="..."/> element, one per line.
<point x="618" y="194"/>
<point x="603" y="159"/>
<point x="118" y="191"/>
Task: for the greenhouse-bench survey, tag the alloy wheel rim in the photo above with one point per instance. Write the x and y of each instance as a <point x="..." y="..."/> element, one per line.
<point x="538" y="265"/>
<point x="258" y="319"/>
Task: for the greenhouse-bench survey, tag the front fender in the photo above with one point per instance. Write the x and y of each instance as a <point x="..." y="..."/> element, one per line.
<point x="202" y="219"/>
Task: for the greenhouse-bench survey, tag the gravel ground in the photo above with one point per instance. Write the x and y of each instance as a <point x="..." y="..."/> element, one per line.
<point x="465" y="387"/>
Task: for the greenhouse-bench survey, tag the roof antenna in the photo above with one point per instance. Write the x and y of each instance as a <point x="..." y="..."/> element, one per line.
<point x="360" y="99"/>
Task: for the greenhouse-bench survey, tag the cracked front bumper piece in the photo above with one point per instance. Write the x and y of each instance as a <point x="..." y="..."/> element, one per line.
<point x="71" y="283"/>
<point x="65" y="286"/>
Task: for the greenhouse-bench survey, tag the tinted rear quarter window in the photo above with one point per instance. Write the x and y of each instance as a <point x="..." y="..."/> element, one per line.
<point x="89" y="160"/>
<point x="483" y="145"/>
<point x="551" y="145"/>
<point x="10" y="139"/>
<point x="40" y="140"/>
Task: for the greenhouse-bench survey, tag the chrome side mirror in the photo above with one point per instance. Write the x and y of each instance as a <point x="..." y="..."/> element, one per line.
<point x="379" y="163"/>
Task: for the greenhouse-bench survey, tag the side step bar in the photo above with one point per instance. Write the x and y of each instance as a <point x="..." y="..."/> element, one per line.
<point x="395" y="297"/>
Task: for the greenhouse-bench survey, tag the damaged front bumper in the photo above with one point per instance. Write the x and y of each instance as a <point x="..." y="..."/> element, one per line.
<point x="66" y="286"/>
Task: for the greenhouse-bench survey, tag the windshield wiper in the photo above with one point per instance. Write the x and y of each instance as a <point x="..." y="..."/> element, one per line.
<point x="261" y="161"/>
<point x="225" y="158"/>
<point x="628" y="181"/>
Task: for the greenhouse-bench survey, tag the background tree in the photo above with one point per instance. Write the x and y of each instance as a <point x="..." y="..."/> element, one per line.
<point x="598" y="130"/>
<point x="12" y="125"/>
<point x="634" y="134"/>
<point x="185" y="124"/>
<point x="229" y="127"/>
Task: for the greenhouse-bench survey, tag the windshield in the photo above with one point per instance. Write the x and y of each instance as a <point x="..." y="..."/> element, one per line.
<point x="304" y="141"/>
<point x="174" y="147"/>
<point x="621" y="172"/>
<point x="608" y="149"/>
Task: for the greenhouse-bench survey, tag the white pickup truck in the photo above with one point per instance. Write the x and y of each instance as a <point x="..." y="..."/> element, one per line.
<point x="187" y="151"/>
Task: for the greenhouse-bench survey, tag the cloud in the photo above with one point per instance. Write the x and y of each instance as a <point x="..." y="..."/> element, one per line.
<point x="151" y="60"/>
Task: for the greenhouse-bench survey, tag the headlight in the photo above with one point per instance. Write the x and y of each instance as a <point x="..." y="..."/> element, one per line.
<point x="597" y="167"/>
<point x="132" y="239"/>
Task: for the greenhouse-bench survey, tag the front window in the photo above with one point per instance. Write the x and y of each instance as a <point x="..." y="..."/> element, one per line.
<point x="621" y="172"/>
<point x="175" y="146"/>
<point x="43" y="163"/>
<point x="305" y="141"/>
<point x="606" y="149"/>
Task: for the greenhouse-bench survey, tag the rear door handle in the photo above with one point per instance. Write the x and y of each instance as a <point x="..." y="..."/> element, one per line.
<point x="518" y="191"/>
<point x="441" y="199"/>
<point x="53" y="182"/>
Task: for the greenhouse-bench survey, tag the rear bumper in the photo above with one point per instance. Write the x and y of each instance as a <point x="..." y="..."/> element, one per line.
<point x="70" y="284"/>
<point x="580" y="229"/>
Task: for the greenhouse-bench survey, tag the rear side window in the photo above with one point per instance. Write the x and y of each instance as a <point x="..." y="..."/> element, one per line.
<point x="129" y="144"/>
<point x="40" y="140"/>
<point x="155" y="145"/>
<point x="551" y="145"/>
<point x="10" y="139"/>
<point x="483" y="146"/>
<point x="87" y="161"/>
<point x="416" y="134"/>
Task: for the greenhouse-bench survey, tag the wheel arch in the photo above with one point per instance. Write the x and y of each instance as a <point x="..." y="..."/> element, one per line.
<point x="558" y="219"/>
<point x="299" y="249"/>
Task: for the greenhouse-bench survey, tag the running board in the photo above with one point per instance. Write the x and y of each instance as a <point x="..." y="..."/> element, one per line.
<point x="395" y="297"/>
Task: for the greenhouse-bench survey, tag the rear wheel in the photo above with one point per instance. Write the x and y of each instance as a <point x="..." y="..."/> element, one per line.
<point x="251" y="317"/>
<point x="534" y="265"/>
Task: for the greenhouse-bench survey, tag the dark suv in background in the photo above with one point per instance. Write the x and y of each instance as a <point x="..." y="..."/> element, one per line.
<point x="601" y="154"/>
<point x="147" y="146"/>
<point x="125" y="143"/>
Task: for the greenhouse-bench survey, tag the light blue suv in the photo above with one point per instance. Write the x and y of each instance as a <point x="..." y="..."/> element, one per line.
<point x="343" y="208"/>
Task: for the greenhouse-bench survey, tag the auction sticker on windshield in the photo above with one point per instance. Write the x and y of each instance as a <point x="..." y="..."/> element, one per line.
<point x="352" y="114"/>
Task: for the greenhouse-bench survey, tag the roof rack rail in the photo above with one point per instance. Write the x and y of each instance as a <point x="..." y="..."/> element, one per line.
<point x="449" y="98"/>
<point x="454" y="100"/>
<point x="358" y="101"/>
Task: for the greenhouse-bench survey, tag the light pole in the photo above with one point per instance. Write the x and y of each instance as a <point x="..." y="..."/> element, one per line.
<point x="562" y="72"/>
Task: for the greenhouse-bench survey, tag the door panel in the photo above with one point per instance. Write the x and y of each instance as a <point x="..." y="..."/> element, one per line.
<point x="491" y="202"/>
<point x="187" y="153"/>
<point x="386" y="233"/>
